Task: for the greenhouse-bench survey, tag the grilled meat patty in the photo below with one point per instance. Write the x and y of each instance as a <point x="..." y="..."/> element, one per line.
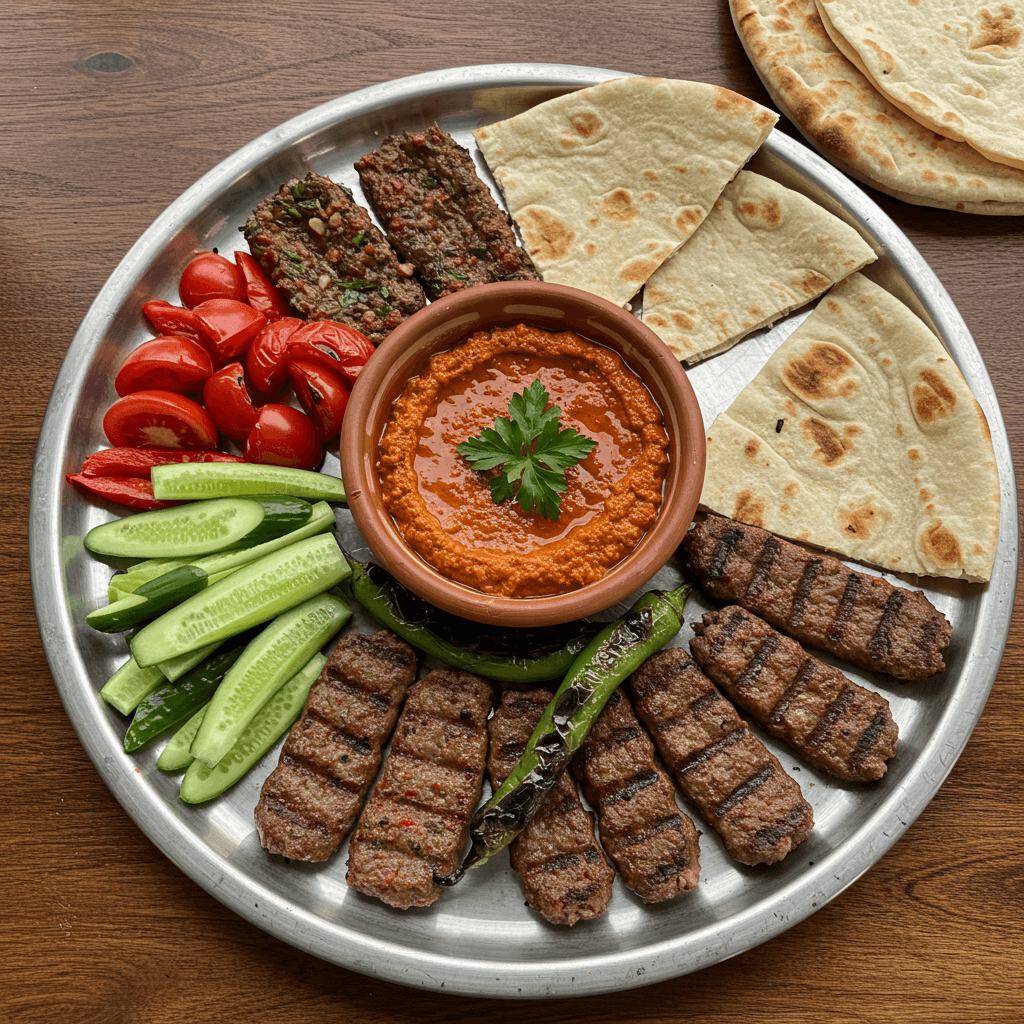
<point x="439" y="215"/>
<point x="651" y="842"/>
<point x="329" y="260"/>
<point x="565" y="874"/>
<point x="416" y="822"/>
<point x="725" y="771"/>
<point x="833" y="723"/>
<point x="818" y="600"/>
<point x="309" y="802"/>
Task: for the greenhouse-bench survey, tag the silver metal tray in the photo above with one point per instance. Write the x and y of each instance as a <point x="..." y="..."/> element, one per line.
<point x="480" y="939"/>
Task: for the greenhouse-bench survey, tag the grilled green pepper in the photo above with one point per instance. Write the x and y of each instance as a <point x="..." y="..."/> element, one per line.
<point x="619" y="649"/>
<point x="505" y="655"/>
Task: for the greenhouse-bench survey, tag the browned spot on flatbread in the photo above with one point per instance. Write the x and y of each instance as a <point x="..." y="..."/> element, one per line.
<point x="651" y="175"/>
<point x="546" y="237"/>
<point x="950" y="118"/>
<point x="618" y="206"/>
<point x="859" y="521"/>
<point x="637" y="270"/>
<point x="729" y="102"/>
<point x="751" y="448"/>
<point x="924" y="495"/>
<point x="932" y="397"/>
<point x="913" y="454"/>
<point x="819" y="373"/>
<point x="921" y="99"/>
<point x="682" y="321"/>
<point x="940" y="545"/>
<point x="812" y="283"/>
<point x="568" y="143"/>
<point x="885" y="59"/>
<point x="996" y="31"/>
<point x="689" y="218"/>
<point x="586" y="124"/>
<point x="769" y="212"/>
<point x="828" y="445"/>
<point x="791" y="489"/>
<point x="748" y="509"/>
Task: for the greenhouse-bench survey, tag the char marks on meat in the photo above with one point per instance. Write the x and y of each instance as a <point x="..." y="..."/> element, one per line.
<point x="416" y="822"/>
<point x="565" y="874"/>
<point x="733" y="780"/>
<point x="310" y="801"/>
<point x="818" y="600"/>
<point x="833" y="723"/>
<point x="651" y="842"/>
<point x="439" y="215"/>
<point x="329" y="260"/>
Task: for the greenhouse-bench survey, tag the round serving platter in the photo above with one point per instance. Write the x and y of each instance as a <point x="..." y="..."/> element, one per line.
<point x="479" y="939"/>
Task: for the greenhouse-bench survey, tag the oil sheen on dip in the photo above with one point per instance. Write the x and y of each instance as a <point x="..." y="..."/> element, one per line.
<point x="443" y="508"/>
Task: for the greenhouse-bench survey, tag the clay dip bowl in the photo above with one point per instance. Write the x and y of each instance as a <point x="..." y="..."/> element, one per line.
<point x="450" y="321"/>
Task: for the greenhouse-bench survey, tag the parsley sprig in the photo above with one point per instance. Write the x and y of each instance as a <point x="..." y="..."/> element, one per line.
<point x="530" y="450"/>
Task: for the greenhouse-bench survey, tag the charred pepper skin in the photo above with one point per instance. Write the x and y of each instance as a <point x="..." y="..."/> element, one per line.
<point x="617" y="651"/>
<point x="505" y="656"/>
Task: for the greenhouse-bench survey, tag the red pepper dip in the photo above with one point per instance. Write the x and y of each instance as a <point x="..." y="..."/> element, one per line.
<point x="443" y="508"/>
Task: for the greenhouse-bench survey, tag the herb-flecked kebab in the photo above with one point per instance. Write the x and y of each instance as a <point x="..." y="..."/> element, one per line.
<point x="617" y="651"/>
<point x="504" y="655"/>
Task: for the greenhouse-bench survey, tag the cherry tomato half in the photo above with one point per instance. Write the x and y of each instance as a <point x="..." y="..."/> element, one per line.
<point x="230" y="325"/>
<point x="268" y="355"/>
<point x="171" y="362"/>
<point x="331" y="345"/>
<point x="322" y="394"/>
<point x="283" y="436"/>
<point x="260" y="291"/>
<point x="210" y="276"/>
<point x="170" y="319"/>
<point x="229" y="402"/>
<point x="159" y="418"/>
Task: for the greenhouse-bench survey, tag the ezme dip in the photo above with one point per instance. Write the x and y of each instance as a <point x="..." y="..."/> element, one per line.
<point x="443" y="508"/>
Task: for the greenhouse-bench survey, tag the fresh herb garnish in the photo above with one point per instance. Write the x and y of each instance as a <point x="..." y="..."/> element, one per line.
<point x="530" y="450"/>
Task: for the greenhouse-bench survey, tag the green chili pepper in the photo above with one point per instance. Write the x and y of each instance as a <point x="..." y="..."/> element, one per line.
<point x="618" y="650"/>
<point x="505" y="655"/>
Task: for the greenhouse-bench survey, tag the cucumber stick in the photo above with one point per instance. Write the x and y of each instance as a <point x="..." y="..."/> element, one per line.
<point x="177" y="755"/>
<point x="223" y="479"/>
<point x="272" y="721"/>
<point x="268" y="662"/>
<point x="174" y="668"/>
<point x="253" y="594"/>
<point x="130" y="684"/>
<point x="151" y="598"/>
<point x="122" y="583"/>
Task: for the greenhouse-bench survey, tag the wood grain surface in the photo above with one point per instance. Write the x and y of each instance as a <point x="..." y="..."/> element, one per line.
<point x="109" y="112"/>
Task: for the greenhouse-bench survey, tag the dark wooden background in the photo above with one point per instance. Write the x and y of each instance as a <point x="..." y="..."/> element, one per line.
<point x="97" y="924"/>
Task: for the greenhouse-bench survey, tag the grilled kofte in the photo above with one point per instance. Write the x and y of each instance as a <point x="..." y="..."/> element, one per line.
<point x="329" y="260"/>
<point x="439" y="215"/>
<point x="652" y="843"/>
<point x="726" y="772"/>
<point x="818" y="600"/>
<point x="310" y="801"/>
<point x="416" y="821"/>
<point x="834" y="724"/>
<point x="566" y="876"/>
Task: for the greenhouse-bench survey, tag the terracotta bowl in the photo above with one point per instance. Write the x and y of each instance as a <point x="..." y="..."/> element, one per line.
<point x="450" y="321"/>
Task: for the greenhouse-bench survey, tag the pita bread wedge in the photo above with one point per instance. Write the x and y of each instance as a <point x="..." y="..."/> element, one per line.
<point x="860" y="436"/>
<point x="956" y="67"/>
<point x="851" y="124"/>
<point x="762" y="251"/>
<point x="607" y="182"/>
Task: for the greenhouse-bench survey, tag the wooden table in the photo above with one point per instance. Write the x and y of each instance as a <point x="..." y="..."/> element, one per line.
<point x="110" y="111"/>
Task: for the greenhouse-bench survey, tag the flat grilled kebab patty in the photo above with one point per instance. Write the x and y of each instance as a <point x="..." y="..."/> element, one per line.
<point x="818" y="600"/>
<point x="439" y="215"/>
<point x="329" y="260"/>
<point x="651" y="842"/>
<point x="834" y="724"/>
<point x="733" y="780"/>
<point x="416" y="822"/>
<point x="310" y="801"/>
<point x="565" y="875"/>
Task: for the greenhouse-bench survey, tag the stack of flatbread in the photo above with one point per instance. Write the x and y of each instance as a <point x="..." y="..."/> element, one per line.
<point x="920" y="99"/>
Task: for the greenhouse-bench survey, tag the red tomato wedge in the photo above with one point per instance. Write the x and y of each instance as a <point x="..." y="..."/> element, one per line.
<point x="260" y="291"/>
<point x="333" y="346"/>
<point x="161" y="419"/>
<point x="267" y="361"/>
<point x="210" y="276"/>
<point x="229" y="402"/>
<point x="171" y="362"/>
<point x="283" y="436"/>
<point x="230" y="326"/>
<point x="323" y="395"/>
<point x="170" y="319"/>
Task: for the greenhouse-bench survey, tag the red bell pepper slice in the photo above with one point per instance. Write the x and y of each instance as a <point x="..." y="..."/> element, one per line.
<point x="132" y="491"/>
<point x="331" y="345"/>
<point x="139" y="462"/>
<point x="261" y="292"/>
